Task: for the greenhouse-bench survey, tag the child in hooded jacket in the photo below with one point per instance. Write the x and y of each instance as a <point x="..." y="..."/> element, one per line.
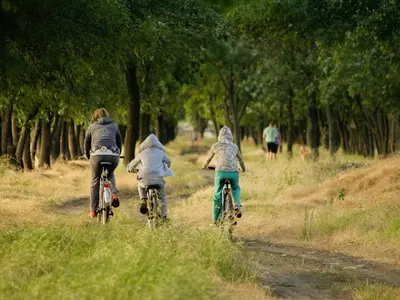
<point x="227" y="156"/>
<point x="154" y="165"/>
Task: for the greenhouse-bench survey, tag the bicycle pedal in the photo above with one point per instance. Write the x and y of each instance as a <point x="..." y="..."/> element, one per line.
<point x="111" y="213"/>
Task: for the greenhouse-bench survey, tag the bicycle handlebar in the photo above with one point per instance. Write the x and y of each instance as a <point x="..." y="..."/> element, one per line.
<point x="212" y="168"/>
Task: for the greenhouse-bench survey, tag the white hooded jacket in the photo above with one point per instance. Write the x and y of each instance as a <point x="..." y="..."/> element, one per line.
<point x="226" y="152"/>
<point x="154" y="163"/>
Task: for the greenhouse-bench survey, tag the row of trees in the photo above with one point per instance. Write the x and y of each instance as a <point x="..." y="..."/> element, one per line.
<point x="60" y="60"/>
<point x="327" y="71"/>
<point x="331" y="71"/>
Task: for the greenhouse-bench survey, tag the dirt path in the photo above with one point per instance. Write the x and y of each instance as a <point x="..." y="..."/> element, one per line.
<point x="300" y="273"/>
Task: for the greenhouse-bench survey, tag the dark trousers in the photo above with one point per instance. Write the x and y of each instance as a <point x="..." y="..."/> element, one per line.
<point x="96" y="169"/>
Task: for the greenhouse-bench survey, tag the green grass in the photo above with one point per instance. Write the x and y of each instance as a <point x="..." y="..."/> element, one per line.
<point x="122" y="260"/>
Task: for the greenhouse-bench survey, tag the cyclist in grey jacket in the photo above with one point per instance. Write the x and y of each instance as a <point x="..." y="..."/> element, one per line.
<point x="102" y="144"/>
<point x="154" y="166"/>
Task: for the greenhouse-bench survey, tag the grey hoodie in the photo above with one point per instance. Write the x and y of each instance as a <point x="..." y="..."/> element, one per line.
<point x="154" y="163"/>
<point x="104" y="132"/>
<point x="226" y="152"/>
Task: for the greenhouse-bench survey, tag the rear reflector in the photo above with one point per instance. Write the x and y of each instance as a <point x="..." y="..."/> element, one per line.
<point x="107" y="185"/>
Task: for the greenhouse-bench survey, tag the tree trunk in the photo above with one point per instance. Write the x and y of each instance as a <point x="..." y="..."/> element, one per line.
<point x="280" y="125"/>
<point x="78" y="129"/>
<point x="145" y="119"/>
<point x="6" y="130"/>
<point x="314" y="135"/>
<point x="303" y="130"/>
<point x="19" y="154"/>
<point x="55" y="140"/>
<point x="34" y="139"/>
<point x="227" y="114"/>
<point x="27" y="158"/>
<point x="170" y="131"/>
<point x="324" y="128"/>
<point x="82" y="134"/>
<point x="132" y="129"/>
<point x="393" y="134"/>
<point x="1" y="126"/>
<point x="333" y="136"/>
<point x="14" y="129"/>
<point x="72" y="145"/>
<point x="122" y="130"/>
<point x="343" y="134"/>
<point x="290" y="128"/>
<point x="234" y="114"/>
<point x="161" y="132"/>
<point x="261" y="128"/>
<point x="45" y="144"/>
<point x="368" y="142"/>
<point x="64" y="149"/>
<point x="213" y="116"/>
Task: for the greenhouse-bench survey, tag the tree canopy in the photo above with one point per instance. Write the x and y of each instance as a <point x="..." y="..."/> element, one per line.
<point x="326" y="71"/>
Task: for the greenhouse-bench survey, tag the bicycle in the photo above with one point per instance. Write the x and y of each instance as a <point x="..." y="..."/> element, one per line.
<point x="228" y="218"/>
<point x="154" y="214"/>
<point x="104" y="211"/>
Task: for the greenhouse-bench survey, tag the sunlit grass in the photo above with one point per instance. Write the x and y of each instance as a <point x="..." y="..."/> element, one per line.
<point x="49" y="248"/>
<point x="120" y="261"/>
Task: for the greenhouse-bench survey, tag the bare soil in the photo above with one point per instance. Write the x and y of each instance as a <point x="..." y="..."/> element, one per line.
<point x="293" y="272"/>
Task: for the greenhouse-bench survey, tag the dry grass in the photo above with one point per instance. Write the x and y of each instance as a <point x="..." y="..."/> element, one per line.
<point x="327" y="205"/>
<point x="43" y="205"/>
<point x="352" y="208"/>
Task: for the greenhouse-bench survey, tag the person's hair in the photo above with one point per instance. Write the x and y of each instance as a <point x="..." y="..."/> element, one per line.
<point x="99" y="113"/>
<point x="273" y="123"/>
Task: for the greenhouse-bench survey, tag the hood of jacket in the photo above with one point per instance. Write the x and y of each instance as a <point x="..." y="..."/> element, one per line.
<point x="151" y="142"/>
<point x="225" y="135"/>
<point x="104" y="120"/>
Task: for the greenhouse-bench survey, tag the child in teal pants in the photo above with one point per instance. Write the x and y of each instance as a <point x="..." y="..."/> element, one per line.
<point x="218" y="187"/>
<point x="227" y="156"/>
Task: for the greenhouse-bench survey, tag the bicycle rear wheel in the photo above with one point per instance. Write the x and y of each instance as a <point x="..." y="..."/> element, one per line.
<point x="228" y="216"/>
<point x="152" y="210"/>
<point x="105" y="205"/>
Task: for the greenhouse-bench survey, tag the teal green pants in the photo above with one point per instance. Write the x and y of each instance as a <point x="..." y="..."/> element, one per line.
<point x="218" y="187"/>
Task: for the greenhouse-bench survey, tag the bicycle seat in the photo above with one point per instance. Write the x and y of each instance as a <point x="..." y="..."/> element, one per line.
<point x="153" y="186"/>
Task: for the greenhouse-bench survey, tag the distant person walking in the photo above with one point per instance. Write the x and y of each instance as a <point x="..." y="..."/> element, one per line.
<point x="272" y="138"/>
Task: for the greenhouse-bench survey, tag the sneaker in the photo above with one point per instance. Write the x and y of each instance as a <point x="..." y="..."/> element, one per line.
<point x="93" y="214"/>
<point x="238" y="212"/>
<point x="115" y="201"/>
<point x="143" y="207"/>
<point x="165" y="219"/>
